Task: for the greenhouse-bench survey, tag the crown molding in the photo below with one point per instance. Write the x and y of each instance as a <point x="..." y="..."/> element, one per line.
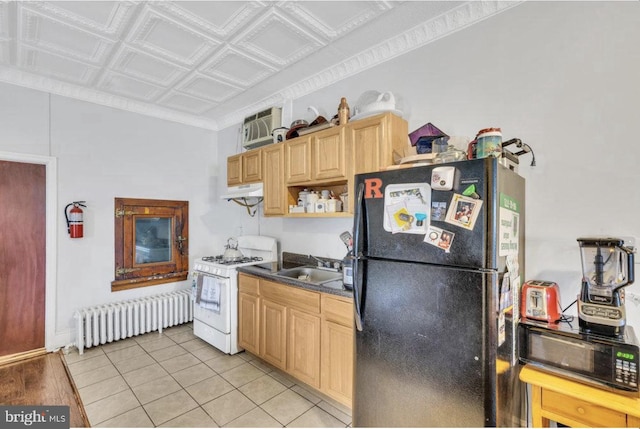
<point x="29" y="80"/>
<point x="454" y="20"/>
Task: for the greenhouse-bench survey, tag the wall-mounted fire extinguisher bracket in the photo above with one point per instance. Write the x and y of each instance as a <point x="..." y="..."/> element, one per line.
<point x="74" y="219"/>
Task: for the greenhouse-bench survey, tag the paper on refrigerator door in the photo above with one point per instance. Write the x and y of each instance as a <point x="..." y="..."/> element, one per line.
<point x="407" y="207"/>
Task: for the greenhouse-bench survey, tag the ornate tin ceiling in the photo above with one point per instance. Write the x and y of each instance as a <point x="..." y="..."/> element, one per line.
<point x="210" y="63"/>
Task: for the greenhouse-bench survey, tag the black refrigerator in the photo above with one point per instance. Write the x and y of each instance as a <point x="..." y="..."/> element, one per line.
<point x="439" y="258"/>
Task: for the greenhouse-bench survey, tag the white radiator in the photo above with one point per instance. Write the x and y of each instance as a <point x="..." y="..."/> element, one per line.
<point x="112" y="322"/>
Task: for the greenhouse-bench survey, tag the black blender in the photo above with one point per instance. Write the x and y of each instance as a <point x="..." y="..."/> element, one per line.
<point x="607" y="267"/>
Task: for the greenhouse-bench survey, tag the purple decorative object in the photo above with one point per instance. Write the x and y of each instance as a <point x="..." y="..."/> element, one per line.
<point x="427" y="130"/>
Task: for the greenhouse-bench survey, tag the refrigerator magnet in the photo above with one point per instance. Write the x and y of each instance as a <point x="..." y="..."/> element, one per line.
<point x="470" y="191"/>
<point x="463" y="211"/>
<point x="442" y="178"/>
<point x="438" y="210"/>
<point x="440" y="238"/>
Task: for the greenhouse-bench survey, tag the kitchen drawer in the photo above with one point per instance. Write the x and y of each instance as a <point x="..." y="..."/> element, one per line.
<point x="291" y="296"/>
<point x="337" y="310"/>
<point x="581" y="411"/>
<point x="248" y="284"/>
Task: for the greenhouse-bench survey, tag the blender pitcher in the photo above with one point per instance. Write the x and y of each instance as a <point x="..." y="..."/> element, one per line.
<point x="607" y="266"/>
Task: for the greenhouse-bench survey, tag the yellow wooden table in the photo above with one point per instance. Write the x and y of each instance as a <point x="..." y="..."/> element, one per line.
<point x="577" y="405"/>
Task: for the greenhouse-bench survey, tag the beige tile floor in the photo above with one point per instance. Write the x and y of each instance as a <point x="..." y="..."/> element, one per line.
<point x="174" y="379"/>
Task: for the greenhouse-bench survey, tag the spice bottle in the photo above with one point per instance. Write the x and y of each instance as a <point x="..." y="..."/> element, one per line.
<point x="343" y="111"/>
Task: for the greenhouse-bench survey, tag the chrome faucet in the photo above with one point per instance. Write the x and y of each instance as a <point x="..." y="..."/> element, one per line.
<point x="321" y="263"/>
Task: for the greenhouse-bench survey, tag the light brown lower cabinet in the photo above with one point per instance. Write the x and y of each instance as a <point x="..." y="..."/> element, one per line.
<point x="249" y="314"/>
<point x="305" y="333"/>
<point x="249" y="323"/>
<point x="337" y="361"/>
<point x="273" y="333"/>
<point x="303" y="357"/>
<point x="337" y="348"/>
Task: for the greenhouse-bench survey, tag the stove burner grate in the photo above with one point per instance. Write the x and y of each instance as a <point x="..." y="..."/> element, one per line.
<point x="219" y="259"/>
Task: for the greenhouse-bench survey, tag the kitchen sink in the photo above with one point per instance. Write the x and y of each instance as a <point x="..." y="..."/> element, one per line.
<point x="311" y="274"/>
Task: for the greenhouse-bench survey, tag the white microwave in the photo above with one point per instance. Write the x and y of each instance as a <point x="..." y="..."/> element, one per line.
<point x="257" y="128"/>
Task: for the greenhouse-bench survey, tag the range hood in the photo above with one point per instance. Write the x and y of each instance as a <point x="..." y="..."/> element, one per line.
<point x="252" y="190"/>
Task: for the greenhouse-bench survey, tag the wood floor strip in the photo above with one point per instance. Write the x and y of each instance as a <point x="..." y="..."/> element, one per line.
<point x="42" y="380"/>
<point x="16" y="357"/>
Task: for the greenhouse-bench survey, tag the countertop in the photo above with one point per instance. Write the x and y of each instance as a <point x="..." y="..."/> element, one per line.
<point x="333" y="288"/>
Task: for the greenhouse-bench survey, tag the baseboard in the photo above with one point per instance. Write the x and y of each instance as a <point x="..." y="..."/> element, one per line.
<point x="21" y="356"/>
<point x="60" y="340"/>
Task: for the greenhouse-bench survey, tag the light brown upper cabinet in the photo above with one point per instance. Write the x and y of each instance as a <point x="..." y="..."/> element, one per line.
<point x="275" y="203"/>
<point x="298" y="160"/>
<point x="326" y="159"/>
<point x="244" y="168"/>
<point x="376" y="141"/>
<point x="320" y="156"/>
<point x="234" y="170"/>
<point x="328" y="154"/>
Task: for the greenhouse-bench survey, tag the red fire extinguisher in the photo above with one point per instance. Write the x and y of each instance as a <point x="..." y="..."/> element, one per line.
<point x="74" y="219"/>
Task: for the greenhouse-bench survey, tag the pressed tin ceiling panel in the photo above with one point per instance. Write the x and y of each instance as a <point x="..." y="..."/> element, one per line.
<point x="210" y="63"/>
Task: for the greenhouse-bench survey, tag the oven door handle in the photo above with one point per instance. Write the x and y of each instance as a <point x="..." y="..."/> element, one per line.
<point x="216" y="276"/>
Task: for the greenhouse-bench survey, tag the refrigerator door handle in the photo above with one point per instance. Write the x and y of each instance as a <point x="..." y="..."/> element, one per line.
<point x="357" y="292"/>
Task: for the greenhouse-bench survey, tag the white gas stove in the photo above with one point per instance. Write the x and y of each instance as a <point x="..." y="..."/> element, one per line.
<point x="215" y="290"/>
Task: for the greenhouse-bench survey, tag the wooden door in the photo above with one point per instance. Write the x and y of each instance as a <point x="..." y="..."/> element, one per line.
<point x="337" y="348"/>
<point x="252" y="166"/>
<point x="337" y="361"/>
<point x="249" y="323"/>
<point x="22" y="257"/>
<point x="298" y="160"/>
<point x="234" y="170"/>
<point x="366" y="137"/>
<point x="273" y="333"/>
<point x="274" y="190"/>
<point x="303" y="359"/>
<point x="329" y="155"/>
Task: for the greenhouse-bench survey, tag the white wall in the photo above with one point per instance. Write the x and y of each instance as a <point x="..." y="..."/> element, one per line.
<point x="561" y="76"/>
<point x="102" y="154"/>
